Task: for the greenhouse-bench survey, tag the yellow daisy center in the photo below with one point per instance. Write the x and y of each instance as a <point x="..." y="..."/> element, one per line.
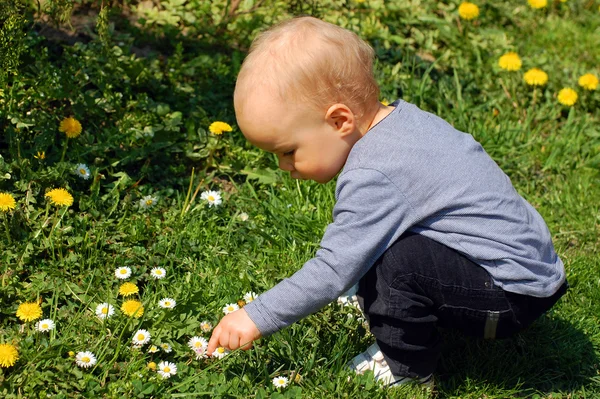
<point x="211" y="198"/>
<point x="141" y="337"/>
<point x="104" y="310"/>
<point x="167" y="369"/>
<point x="123" y="271"/>
<point x="85" y="359"/>
<point x="221" y="349"/>
<point x="82" y="171"/>
<point x="149" y="202"/>
<point x="159" y="272"/>
<point x="45" y="325"/>
<point x="197" y="344"/>
<point x="167" y="303"/>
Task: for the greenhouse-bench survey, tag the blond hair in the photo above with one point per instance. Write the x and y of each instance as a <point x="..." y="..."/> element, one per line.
<point x="308" y="60"/>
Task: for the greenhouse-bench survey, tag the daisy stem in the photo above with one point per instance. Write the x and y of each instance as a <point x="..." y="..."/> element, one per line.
<point x="534" y="97"/>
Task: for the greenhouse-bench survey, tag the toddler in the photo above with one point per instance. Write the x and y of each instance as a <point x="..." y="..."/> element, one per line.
<point x="425" y="221"/>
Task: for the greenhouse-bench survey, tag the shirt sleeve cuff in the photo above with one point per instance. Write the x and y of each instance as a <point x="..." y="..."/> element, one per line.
<point x="260" y="316"/>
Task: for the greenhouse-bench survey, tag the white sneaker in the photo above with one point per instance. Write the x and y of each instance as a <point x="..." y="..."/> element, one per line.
<point x="373" y="360"/>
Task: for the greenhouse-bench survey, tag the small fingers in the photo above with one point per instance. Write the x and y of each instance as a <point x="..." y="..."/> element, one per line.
<point x="235" y="340"/>
<point x="246" y="343"/>
<point x="214" y="341"/>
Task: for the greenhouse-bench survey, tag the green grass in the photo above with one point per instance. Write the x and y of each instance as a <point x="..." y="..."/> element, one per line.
<point x="145" y="121"/>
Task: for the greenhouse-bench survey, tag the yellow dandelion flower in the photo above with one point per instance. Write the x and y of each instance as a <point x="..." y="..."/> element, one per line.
<point x="151" y="366"/>
<point x="567" y="96"/>
<point x="133" y="308"/>
<point x="7" y="202"/>
<point x="535" y="77"/>
<point x="127" y="289"/>
<point x="71" y="353"/>
<point x="60" y="197"/>
<point x="29" y="311"/>
<point x="510" y="61"/>
<point x="219" y="127"/>
<point x="8" y="355"/>
<point x="70" y="127"/>
<point x="41" y="155"/>
<point x="385" y="102"/>
<point x="538" y="3"/>
<point x="468" y="10"/>
<point x="588" y="81"/>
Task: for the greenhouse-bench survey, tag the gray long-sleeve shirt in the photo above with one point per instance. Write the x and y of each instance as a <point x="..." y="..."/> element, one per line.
<point x="414" y="172"/>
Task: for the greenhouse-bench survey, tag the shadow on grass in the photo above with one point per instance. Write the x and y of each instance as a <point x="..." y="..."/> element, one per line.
<point x="551" y="355"/>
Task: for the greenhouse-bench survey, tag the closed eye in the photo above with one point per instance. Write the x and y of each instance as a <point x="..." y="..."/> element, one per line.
<point x="285" y="154"/>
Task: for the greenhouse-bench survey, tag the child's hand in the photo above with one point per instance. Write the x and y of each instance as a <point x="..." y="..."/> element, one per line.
<point x="233" y="331"/>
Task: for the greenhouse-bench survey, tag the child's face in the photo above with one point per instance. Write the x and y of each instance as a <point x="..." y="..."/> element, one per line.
<point x="309" y="144"/>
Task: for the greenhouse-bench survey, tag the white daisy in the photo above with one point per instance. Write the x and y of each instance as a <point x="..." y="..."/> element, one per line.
<point x="197" y="343"/>
<point x="141" y="337"/>
<point x="153" y="349"/>
<point x="123" y="273"/>
<point x="148" y="201"/>
<point x="104" y="310"/>
<point x="249" y="296"/>
<point x="244" y="216"/>
<point x="158" y="273"/>
<point x="167" y="303"/>
<point x="230" y="307"/>
<point x="85" y="359"/>
<point x="220" y="352"/>
<point x="166" y="347"/>
<point x="212" y="197"/>
<point x="166" y="369"/>
<point x="280" y="382"/>
<point x="45" y="325"/>
<point x="82" y="171"/>
<point x="205" y="326"/>
<point x="200" y="353"/>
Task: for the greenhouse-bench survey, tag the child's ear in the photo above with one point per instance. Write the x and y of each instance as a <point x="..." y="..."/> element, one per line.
<point x="341" y="118"/>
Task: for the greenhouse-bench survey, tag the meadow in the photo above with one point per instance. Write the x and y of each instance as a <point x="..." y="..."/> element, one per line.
<point x="134" y="215"/>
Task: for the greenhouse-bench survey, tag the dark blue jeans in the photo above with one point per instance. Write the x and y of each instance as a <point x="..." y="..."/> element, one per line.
<point x="419" y="284"/>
